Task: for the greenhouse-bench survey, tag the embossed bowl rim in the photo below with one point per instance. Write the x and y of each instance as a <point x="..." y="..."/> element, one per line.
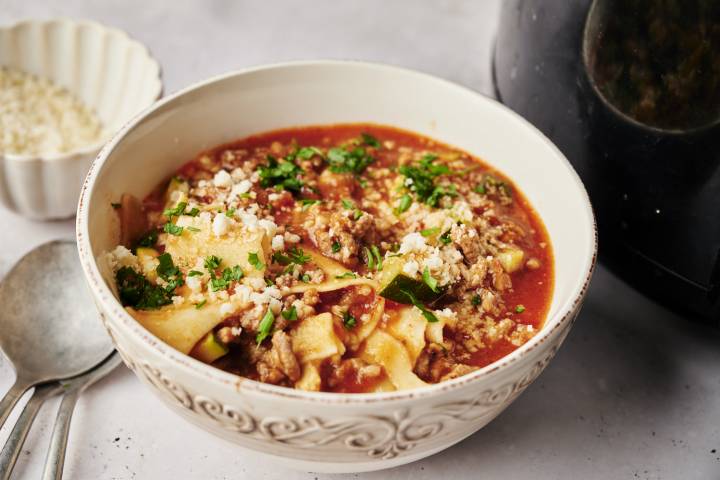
<point x="553" y="325"/>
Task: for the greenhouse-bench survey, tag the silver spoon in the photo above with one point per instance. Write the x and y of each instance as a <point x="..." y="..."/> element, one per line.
<point x="55" y="459"/>
<point x="49" y="328"/>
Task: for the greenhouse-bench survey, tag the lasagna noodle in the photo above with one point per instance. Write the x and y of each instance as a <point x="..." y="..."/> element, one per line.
<point x="383" y="349"/>
<point x="180" y="327"/>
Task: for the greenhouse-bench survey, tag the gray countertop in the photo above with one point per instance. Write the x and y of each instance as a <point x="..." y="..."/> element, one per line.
<point x="633" y="393"/>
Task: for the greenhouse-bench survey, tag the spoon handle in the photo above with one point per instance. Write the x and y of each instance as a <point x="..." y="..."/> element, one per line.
<point x="11" y="398"/>
<point x="55" y="459"/>
<point x="16" y="439"/>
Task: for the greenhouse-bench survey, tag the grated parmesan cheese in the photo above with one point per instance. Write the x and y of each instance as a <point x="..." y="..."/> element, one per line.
<point x="39" y="118"/>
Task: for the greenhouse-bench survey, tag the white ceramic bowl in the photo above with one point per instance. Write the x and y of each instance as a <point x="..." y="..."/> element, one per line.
<point x="325" y="431"/>
<point x="111" y="73"/>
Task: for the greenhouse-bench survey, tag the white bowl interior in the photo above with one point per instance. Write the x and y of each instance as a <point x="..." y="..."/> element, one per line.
<point x="310" y="93"/>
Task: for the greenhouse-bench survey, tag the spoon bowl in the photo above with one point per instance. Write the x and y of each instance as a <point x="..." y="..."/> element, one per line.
<point x="50" y="329"/>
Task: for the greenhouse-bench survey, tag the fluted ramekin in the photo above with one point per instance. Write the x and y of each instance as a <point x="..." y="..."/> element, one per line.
<point x="320" y="431"/>
<point x="111" y="73"/>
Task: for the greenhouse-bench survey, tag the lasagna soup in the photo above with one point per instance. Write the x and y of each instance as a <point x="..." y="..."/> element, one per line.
<point x="344" y="258"/>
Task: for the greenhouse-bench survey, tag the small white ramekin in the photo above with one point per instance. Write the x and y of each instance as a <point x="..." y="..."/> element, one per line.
<point x="110" y="72"/>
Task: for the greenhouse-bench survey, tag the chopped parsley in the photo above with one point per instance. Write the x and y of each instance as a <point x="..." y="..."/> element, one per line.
<point x="374" y="258"/>
<point x="115" y="205"/>
<point x="212" y="262"/>
<point x="349" y="321"/>
<point x="167" y="270"/>
<point x="335" y="247"/>
<point x="476" y="300"/>
<point x="520" y="309"/>
<point x="347" y="204"/>
<point x="423" y="176"/>
<point x="193" y="212"/>
<point x="282" y="174"/>
<point x="480" y="188"/>
<point x="353" y="161"/>
<point x="255" y="261"/>
<point x="148" y="240"/>
<point x="290" y="315"/>
<point x="137" y="291"/>
<point x="265" y="327"/>
<point x="172" y="229"/>
<point x="305" y="277"/>
<point x="445" y="238"/>
<point x="192" y="229"/>
<point x="306" y="153"/>
<point x="176" y="211"/>
<point x="429" y="232"/>
<point x="308" y="202"/>
<point x="346" y="275"/>
<point x="293" y="256"/>
<point x="404" y="204"/>
<point x="228" y="275"/>
<point x="199" y="305"/>
<point x="230" y="212"/>
<point x="369" y="140"/>
<point x="429" y="315"/>
<point x="429" y="280"/>
<point x="194" y="273"/>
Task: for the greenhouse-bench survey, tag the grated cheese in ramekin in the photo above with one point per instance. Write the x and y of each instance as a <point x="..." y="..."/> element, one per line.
<point x="39" y="118"/>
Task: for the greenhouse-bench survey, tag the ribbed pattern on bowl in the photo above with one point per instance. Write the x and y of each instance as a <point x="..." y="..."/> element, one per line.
<point x="110" y="72"/>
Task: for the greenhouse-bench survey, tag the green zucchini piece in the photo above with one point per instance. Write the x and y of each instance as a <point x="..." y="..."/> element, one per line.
<point x="393" y="281"/>
<point x="209" y="349"/>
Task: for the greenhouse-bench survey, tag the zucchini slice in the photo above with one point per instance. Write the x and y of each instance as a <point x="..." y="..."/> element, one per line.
<point x="393" y="281"/>
<point x="209" y="349"/>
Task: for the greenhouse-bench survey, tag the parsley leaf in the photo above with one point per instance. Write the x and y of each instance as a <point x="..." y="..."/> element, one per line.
<point x="305" y="277"/>
<point x="282" y="174"/>
<point x="255" y="261"/>
<point x="228" y="275"/>
<point x="294" y="255"/>
<point x="476" y="300"/>
<point x="230" y="212"/>
<point x="290" y="315"/>
<point x="199" y="305"/>
<point x="423" y="176"/>
<point x="429" y="232"/>
<point x="349" y="161"/>
<point x="429" y="280"/>
<point x="193" y="212"/>
<point x="265" y="327"/>
<point x="404" y="204"/>
<point x="369" y="140"/>
<point x="167" y="270"/>
<point x="192" y="229"/>
<point x="370" y="259"/>
<point x="378" y="258"/>
<point x="347" y="204"/>
<point x="178" y="210"/>
<point x="308" y="202"/>
<point x="212" y="262"/>
<point x="135" y="290"/>
<point x="172" y="229"/>
<point x="346" y="275"/>
<point x="306" y="153"/>
<point x="445" y="238"/>
<point x="429" y="315"/>
<point x="520" y="309"/>
<point x="148" y="240"/>
<point x="194" y="273"/>
<point x="335" y="247"/>
<point x="349" y="321"/>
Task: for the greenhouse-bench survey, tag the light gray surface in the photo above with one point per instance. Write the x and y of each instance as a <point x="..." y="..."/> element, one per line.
<point x="633" y="393"/>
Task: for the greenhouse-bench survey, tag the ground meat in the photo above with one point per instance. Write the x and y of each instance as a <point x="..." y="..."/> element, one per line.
<point x="328" y="229"/>
<point x="269" y="373"/>
<point x="467" y="239"/>
<point x="432" y="363"/>
<point x="458" y="370"/>
<point x="352" y="371"/>
<point x="475" y="275"/>
<point x="282" y="347"/>
<point x="501" y="279"/>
